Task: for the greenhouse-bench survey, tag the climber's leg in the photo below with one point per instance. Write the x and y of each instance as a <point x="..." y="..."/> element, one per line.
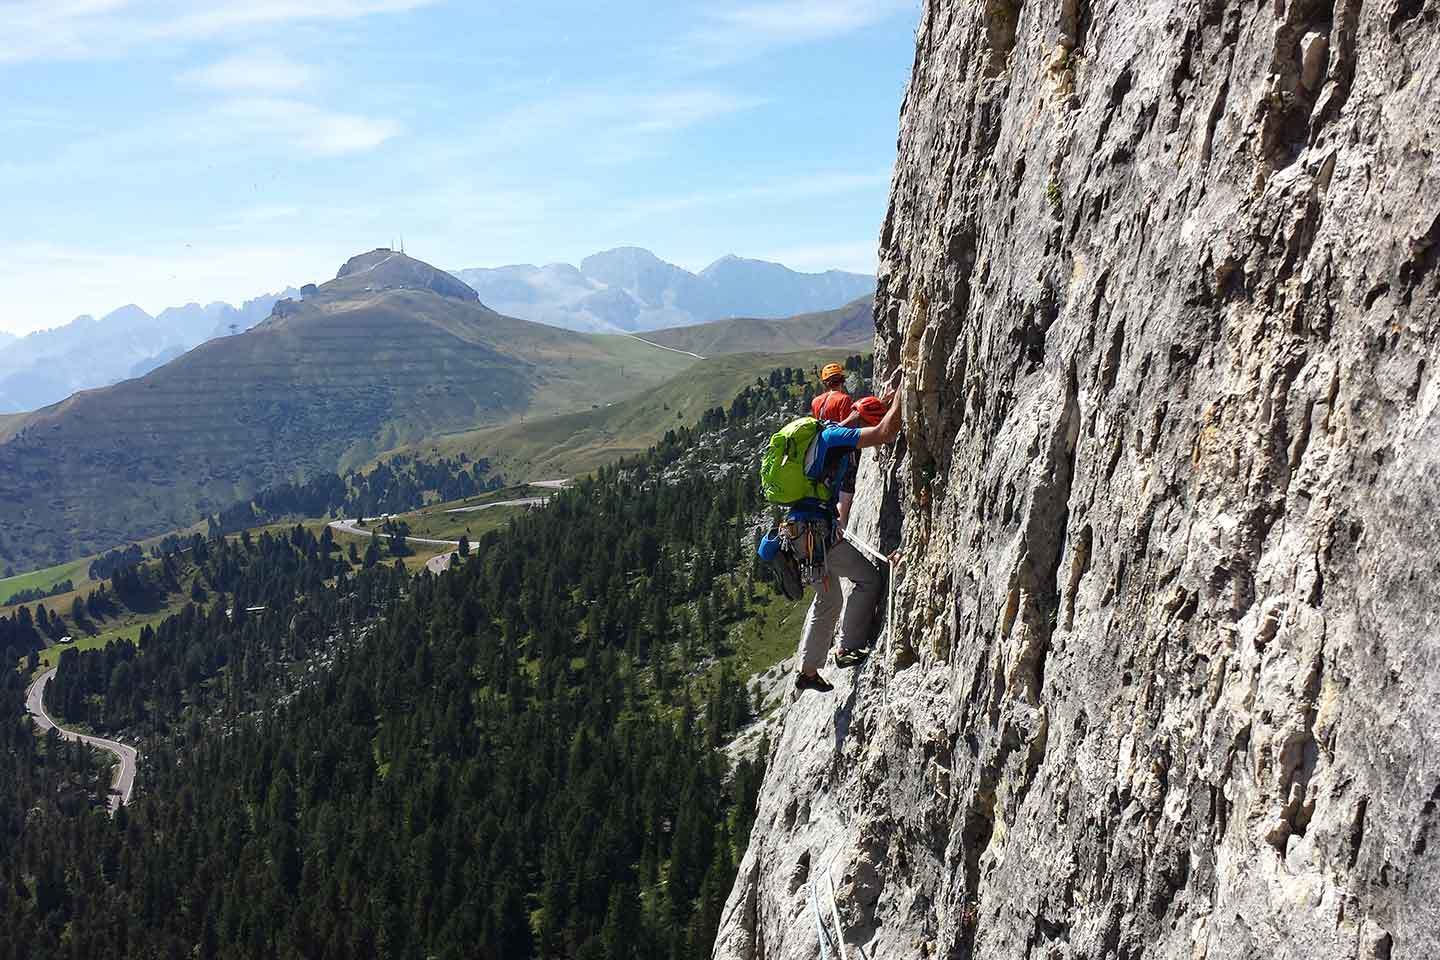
<point x="820" y="624"/>
<point x="847" y="561"/>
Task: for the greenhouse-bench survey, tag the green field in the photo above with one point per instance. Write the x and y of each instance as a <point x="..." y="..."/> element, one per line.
<point x="437" y="524"/>
<point x="44" y="579"/>
<point x="125" y="627"/>
<point x="77" y="572"/>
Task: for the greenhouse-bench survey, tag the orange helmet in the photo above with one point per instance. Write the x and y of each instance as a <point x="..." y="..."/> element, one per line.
<point x="872" y="411"/>
<point x="831" y="370"/>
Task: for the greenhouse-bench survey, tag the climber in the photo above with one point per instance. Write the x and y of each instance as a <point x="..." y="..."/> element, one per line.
<point x="836" y="406"/>
<point x="829" y="461"/>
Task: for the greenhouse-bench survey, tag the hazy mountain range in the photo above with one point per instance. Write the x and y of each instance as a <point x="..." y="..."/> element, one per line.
<point x="49" y="365"/>
<point x="621" y="290"/>
<point x="630" y="289"/>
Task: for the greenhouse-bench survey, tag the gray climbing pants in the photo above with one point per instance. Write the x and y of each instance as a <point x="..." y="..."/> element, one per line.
<point x="847" y="563"/>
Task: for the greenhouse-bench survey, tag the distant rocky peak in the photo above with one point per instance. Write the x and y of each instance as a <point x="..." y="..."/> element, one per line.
<point x="621" y="256"/>
<point x="383" y="268"/>
<point x="130" y="313"/>
<point x="729" y="258"/>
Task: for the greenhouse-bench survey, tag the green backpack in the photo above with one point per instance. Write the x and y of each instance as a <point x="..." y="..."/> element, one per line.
<point x="782" y="469"/>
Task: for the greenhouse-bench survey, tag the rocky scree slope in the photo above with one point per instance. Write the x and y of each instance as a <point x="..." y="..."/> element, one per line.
<point x="1163" y="680"/>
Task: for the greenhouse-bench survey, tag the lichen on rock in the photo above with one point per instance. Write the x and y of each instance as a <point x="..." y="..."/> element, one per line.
<point x="1163" y="677"/>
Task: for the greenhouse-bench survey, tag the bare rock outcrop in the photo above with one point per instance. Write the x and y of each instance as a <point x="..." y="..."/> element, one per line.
<point x="1163" y="679"/>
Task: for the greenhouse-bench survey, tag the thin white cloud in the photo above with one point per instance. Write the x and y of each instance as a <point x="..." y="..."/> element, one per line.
<point x="215" y="18"/>
<point x="590" y="115"/>
<point x="318" y="131"/>
<point x="233" y="130"/>
<point x="729" y="33"/>
<point x="253" y="72"/>
<point x="73" y="29"/>
<point x="588" y="126"/>
<point x="786" y="190"/>
<point x="263" y="215"/>
<point x="802" y="19"/>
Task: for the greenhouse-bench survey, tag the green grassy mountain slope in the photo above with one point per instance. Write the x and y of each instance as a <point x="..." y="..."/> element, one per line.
<point x="848" y="328"/>
<point x="391" y="352"/>
<point x="579" y="442"/>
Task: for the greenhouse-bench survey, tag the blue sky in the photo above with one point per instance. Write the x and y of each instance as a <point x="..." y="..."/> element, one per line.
<point x="160" y="151"/>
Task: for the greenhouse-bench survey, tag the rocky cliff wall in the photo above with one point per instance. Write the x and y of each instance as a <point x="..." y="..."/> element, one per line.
<point x="1162" y="679"/>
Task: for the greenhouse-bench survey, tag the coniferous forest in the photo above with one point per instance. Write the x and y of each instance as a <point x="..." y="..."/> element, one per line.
<point x="518" y="758"/>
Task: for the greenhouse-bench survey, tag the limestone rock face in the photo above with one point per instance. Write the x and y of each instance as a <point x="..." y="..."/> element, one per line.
<point x="1163" y="676"/>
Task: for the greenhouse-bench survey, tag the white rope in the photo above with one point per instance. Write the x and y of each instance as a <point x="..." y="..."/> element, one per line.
<point x="835" y="911"/>
<point x="867" y="548"/>
<point x="819" y="923"/>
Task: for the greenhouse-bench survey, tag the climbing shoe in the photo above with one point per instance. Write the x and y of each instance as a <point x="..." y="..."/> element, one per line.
<point x="817" y="682"/>
<point x="851" y="658"/>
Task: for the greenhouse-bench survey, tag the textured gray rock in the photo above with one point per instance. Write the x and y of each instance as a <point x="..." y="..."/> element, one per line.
<point x="1164" y="677"/>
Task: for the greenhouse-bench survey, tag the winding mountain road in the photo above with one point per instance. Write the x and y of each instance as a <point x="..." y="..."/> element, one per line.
<point x="127" y="756"/>
<point x="348" y="526"/>
<point x="523" y="502"/>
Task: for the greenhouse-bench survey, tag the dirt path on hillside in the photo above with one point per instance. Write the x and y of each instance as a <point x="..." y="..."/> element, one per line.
<point x="661" y="346"/>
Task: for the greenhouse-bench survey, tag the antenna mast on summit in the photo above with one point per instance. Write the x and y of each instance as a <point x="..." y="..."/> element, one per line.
<point x="402" y="243"/>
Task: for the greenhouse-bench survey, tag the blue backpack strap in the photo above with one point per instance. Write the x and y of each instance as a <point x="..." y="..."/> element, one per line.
<point x="811" y="509"/>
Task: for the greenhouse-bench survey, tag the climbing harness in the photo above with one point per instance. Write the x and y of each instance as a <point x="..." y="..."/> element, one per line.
<point x="797" y="549"/>
<point x="808" y="540"/>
